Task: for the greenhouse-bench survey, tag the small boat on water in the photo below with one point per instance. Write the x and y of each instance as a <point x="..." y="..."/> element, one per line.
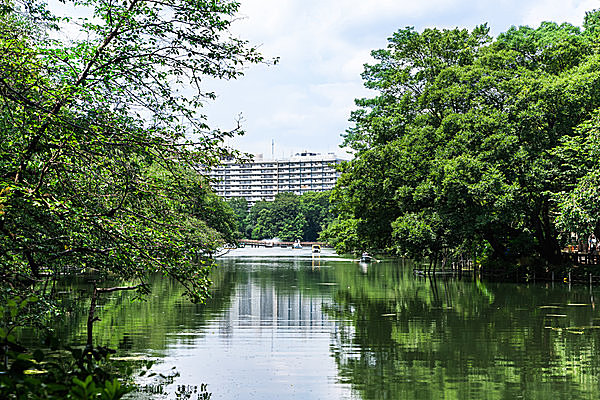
<point x="366" y="258"/>
<point x="316" y="248"/>
<point x="297" y="245"/>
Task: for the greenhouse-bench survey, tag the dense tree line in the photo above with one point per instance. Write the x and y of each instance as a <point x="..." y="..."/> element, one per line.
<point x="100" y="153"/>
<point x="289" y="217"/>
<point x="475" y="144"/>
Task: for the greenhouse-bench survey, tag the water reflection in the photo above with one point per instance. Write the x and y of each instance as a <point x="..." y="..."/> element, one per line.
<point x="262" y="306"/>
<point x="284" y="323"/>
<point x="432" y="339"/>
<point x="273" y="339"/>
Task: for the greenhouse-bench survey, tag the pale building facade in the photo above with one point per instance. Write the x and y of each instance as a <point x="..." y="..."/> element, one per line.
<point x="262" y="179"/>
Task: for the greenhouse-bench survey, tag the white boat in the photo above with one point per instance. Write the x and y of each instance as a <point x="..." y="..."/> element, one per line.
<point x="366" y="258"/>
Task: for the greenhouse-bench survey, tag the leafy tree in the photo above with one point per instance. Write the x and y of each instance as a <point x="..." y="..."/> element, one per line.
<point x="100" y="151"/>
<point x="98" y="166"/>
<point x="289" y="217"/>
<point x="239" y="205"/>
<point x="252" y="229"/>
<point x="342" y="234"/>
<point x="217" y="214"/>
<point x="458" y="147"/>
<point x="579" y="207"/>
<point x="282" y="219"/>
<point x="315" y="208"/>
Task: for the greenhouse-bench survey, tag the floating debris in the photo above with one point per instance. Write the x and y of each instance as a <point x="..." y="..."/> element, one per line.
<point x="554" y="328"/>
<point x="388" y="315"/>
<point x="579" y="328"/>
<point x="556" y="315"/>
<point x="132" y="358"/>
<point x="550" y="307"/>
<point x="577" y="304"/>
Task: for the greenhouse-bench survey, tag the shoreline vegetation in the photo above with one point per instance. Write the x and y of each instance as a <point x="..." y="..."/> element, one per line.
<point x="475" y="148"/>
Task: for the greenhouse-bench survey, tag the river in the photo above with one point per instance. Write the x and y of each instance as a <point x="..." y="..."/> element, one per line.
<point x="287" y="324"/>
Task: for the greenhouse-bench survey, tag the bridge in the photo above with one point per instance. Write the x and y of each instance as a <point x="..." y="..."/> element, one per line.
<point x="263" y="243"/>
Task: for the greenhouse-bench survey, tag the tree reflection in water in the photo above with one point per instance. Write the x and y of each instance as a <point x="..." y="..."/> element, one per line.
<point x="408" y="338"/>
<point x="390" y="334"/>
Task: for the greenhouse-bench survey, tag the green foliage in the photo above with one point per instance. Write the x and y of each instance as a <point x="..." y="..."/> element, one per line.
<point x="42" y="375"/>
<point x="74" y="374"/>
<point x="473" y="140"/>
<point x="281" y="219"/>
<point x="315" y="208"/>
<point x="239" y="206"/>
<point x="101" y="161"/>
<point x="217" y="214"/>
<point x="252" y="230"/>
<point x="343" y="236"/>
<point x="289" y="217"/>
<point x="579" y="204"/>
<point x="100" y="154"/>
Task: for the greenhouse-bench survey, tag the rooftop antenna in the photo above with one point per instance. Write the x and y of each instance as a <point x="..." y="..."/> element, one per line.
<point x="272" y="149"/>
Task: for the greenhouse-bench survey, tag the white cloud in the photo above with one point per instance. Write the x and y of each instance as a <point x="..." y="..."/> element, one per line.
<point x="304" y="102"/>
<point x="571" y="11"/>
<point x="324" y="44"/>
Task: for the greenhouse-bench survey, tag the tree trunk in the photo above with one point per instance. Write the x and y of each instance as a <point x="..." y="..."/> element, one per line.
<point x="497" y="246"/>
<point x="91" y="319"/>
<point x="549" y="247"/>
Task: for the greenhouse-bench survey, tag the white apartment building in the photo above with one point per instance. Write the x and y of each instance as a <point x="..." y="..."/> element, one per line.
<point x="262" y="179"/>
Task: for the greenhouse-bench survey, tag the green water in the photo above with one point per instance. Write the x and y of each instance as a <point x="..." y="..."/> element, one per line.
<point x="284" y="324"/>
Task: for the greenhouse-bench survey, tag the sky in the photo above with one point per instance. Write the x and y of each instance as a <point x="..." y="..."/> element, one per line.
<point x="303" y="103"/>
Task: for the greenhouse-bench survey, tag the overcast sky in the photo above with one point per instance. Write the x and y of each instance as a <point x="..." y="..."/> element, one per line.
<point x="303" y="103"/>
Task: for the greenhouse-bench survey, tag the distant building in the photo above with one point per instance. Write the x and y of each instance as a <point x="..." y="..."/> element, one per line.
<point x="262" y="179"/>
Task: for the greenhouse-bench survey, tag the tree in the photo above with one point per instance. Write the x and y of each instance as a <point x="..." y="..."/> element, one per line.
<point x="252" y="230"/>
<point x="217" y="213"/>
<point x="282" y="218"/>
<point x="315" y="208"/>
<point x="343" y="236"/>
<point x="457" y="148"/>
<point x="239" y="205"/>
<point x="101" y="154"/>
<point x="289" y="217"/>
<point x="579" y="205"/>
